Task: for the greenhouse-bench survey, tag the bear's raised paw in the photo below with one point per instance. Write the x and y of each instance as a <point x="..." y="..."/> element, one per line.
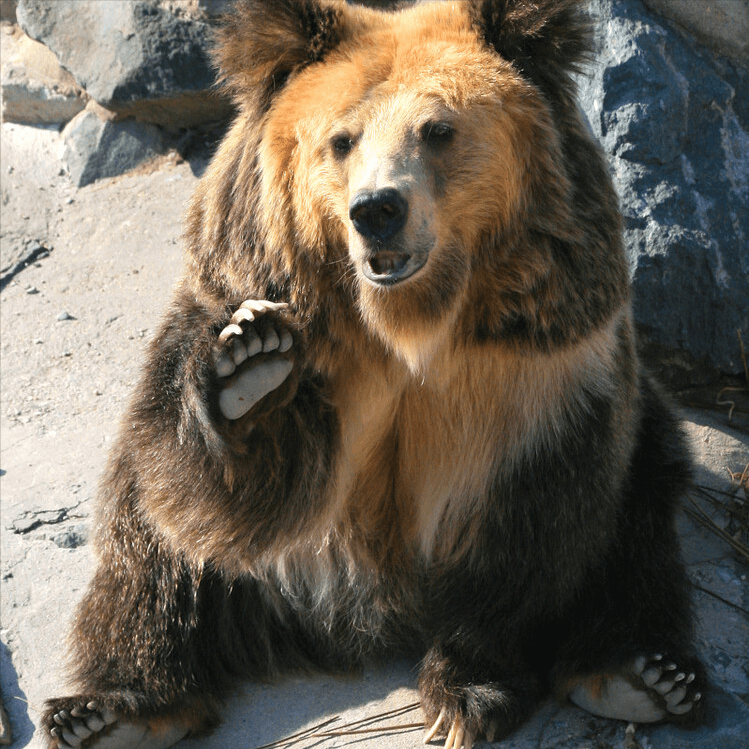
<point x="249" y="357"/>
<point x="99" y="728"/>
<point x="653" y="689"/>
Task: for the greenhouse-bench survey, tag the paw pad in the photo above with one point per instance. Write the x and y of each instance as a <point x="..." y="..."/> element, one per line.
<point x="91" y="726"/>
<point x="669" y="682"/>
<point x="650" y="690"/>
<point x="73" y="727"/>
<point x="255" y="328"/>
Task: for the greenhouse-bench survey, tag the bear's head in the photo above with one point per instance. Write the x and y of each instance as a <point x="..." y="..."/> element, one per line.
<point x="404" y="163"/>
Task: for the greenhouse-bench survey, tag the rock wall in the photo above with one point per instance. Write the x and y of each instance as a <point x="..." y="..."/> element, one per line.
<point x="667" y="97"/>
<point x="721" y="24"/>
<point x="673" y="117"/>
<point x="36" y="89"/>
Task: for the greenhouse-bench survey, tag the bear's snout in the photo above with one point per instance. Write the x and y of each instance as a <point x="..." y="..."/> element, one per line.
<point x="378" y="217"/>
<point x="378" y="214"/>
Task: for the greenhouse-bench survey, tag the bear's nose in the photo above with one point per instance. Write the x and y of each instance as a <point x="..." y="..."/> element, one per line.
<point x="378" y="214"/>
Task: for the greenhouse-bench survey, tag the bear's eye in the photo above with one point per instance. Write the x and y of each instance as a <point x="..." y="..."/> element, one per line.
<point x="437" y="133"/>
<point x="342" y="144"/>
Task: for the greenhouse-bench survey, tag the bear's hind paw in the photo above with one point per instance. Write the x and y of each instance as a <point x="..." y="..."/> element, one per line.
<point x="651" y="689"/>
<point x="676" y="687"/>
<point x="99" y="728"/>
<point x="254" y="329"/>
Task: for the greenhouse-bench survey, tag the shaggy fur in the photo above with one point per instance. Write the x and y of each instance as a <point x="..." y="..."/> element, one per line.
<point x="467" y="462"/>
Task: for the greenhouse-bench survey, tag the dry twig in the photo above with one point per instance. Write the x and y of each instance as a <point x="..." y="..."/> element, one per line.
<point x="734" y="507"/>
<point x="355" y="727"/>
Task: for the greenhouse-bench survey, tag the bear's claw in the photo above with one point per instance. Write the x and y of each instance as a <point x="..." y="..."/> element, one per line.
<point x="457" y="736"/>
<point x="253" y="329"/>
<point x="651" y="690"/>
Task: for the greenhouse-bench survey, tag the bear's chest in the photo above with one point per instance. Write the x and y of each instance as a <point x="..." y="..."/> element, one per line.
<point x="418" y="455"/>
<point x="413" y="450"/>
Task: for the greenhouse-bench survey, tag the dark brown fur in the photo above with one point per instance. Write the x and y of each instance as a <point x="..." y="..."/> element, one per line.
<point x="470" y="464"/>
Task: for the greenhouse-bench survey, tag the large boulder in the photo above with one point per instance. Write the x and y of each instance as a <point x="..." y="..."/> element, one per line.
<point x="721" y="24"/>
<point x="97" y="147"/>
<point x="146" y="59"/>
<point x="673" y="117"/>
<point x="36" y="90"/>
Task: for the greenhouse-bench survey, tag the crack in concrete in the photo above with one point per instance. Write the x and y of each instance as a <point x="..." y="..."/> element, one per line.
<point x="30" y="520"/>
<point x="34" y="251"/>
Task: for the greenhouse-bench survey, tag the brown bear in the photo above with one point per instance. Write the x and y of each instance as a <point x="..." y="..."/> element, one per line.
<point x="396" y="403"/>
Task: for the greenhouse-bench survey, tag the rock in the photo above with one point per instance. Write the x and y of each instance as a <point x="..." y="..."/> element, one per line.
<point x="138" y="58"/>
<point x="673" y="118"/>
<point x="721" y="24"/>
<point x="35" y="88"/>
<point x="96" y="148"/>
<point x="71" y="538"/>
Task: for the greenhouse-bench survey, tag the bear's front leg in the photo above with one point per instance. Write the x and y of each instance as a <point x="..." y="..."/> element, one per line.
<point x="253" y="358"/>
<point x="468" y="700"/>
<point x="136" y="660"/>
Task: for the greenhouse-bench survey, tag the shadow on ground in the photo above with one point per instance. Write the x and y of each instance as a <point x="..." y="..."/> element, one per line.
<point x="14" y="701"/>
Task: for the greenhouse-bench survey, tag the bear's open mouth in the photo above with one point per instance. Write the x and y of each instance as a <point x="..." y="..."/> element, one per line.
<point x="388" y="267"/>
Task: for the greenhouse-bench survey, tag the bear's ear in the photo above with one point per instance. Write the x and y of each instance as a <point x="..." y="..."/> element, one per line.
<point x="262" y="42"/>
<point x="544" y="39"/>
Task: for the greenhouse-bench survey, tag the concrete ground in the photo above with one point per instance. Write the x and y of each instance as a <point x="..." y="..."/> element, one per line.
<point x="75" y="320"/>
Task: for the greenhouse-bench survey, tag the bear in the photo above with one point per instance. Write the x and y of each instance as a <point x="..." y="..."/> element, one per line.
<point x="396" y="404"/>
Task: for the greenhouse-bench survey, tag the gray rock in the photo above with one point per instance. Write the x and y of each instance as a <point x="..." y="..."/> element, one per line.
<point x="35" y="89"/>
<point x="674" y="120"/>
<point x="135" y="57"/>
<point x="722" y="24"/>
<point x="71" y="538"/>
<point x="96" y="148"/>
<point x="28" y="103"/>
<point x="29" y="95"/>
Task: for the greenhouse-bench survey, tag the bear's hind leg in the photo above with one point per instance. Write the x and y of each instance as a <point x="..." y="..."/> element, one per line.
<point x="136" y="653"/>
<point x="629" y="651"/>
<point x="148" y="665"/>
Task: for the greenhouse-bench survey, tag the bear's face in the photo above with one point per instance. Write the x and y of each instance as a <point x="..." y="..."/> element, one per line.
<point x="399" y="151"/>
<point x="394" y="153"/>
<point x="407" y="164"/>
